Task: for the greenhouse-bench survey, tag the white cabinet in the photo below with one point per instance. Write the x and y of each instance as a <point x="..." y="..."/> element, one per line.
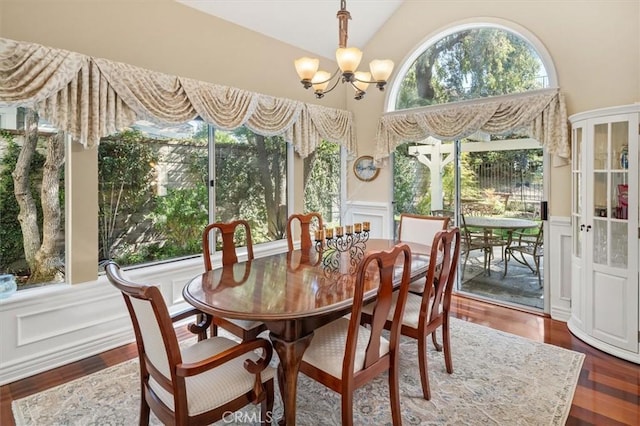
<point x="605" y="232"/>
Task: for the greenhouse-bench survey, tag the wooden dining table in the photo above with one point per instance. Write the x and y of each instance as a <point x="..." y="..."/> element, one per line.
<point x="293" y="293"/>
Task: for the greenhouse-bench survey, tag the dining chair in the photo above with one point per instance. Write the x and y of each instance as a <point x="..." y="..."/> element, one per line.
<point x="244" y="329"/>
<point x="425" y="314"/>
<point x="344" y="355"/>
<point x="420" y="229"/>
<point x="190" y="385"/>
<point x="305" y="220"/>
<point x="523" y="243"/>
<point x="483" y="240"/>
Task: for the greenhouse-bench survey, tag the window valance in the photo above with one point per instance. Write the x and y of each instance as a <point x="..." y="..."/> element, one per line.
<point x="542" y="113"/>
<point x="92" y="97"/>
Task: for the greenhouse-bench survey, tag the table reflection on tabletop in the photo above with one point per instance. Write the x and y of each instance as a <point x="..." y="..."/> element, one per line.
<point x="301" y="282"/>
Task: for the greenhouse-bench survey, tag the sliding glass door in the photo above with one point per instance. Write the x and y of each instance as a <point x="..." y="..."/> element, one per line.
<point x="493" y="189"/>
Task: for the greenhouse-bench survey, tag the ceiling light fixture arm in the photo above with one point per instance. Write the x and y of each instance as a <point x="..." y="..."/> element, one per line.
<point x="320" y="93"/>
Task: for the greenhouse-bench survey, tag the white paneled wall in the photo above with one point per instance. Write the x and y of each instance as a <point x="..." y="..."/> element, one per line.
<point x="380" y="215"/>
<point x="46" y="327"/>
<point x="557" y="261"/>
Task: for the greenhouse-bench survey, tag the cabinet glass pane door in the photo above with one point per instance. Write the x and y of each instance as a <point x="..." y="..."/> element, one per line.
<point x="600" y="146"/>
<point x="576" y="178"/>
<point x="610" y="187"/>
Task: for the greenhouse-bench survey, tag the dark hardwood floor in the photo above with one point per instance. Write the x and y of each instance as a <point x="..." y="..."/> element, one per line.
<point x="608" y="391"/>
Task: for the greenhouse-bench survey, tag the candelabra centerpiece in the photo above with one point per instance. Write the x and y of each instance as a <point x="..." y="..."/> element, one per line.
<point x="342" y="248"/>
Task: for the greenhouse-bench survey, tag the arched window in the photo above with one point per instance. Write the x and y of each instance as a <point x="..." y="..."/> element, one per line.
<point x="472" y="61"/>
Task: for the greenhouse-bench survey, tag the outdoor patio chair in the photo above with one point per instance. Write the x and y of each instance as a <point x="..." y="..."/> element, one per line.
<point x="531" y="245"/>
<point x="483" y="240"/>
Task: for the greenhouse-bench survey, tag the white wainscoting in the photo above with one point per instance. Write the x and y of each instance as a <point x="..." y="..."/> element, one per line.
<point x="46" y="327"/>
<point x="380" y="215"/>
<point x="558" y="263"/>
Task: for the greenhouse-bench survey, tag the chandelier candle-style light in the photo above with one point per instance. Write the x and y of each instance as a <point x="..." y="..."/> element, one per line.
<point x="348" y="59"/>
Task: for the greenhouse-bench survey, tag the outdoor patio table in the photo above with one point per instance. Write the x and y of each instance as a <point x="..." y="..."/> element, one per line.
<point x="509" y="224"/>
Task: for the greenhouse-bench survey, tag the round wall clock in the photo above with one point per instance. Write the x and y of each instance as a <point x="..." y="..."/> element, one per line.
<point x="365" y="168"/>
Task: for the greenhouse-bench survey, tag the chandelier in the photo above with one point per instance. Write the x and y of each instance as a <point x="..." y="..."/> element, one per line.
<point x="348" y="59"/>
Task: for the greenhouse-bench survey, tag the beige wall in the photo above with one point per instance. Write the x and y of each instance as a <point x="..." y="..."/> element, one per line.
<point x="595" y="46"/>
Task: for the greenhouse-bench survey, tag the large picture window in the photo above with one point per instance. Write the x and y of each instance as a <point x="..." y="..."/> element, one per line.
<point x="153" y="200"/>
<point x="32" y="242"/>
<point x="489" y="175"/>
<point x="155" y="186"/>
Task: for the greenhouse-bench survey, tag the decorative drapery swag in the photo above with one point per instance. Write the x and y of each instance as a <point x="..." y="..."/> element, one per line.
<point x="92" y="97"/>
<point x="542" y="113"/>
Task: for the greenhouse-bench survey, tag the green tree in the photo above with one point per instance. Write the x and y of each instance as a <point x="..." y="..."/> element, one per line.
<point x="251" y="182"/>
<point x="322" y="181"/>
<point x="179" y="218"/>
<point x="40" y="217"/>
<point x="125" y="175"/>
<point x="12" y="259"/>
<point x="471" y="64"/>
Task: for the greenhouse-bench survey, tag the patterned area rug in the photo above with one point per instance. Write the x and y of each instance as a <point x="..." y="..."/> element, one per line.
<point x="498" y="379"/>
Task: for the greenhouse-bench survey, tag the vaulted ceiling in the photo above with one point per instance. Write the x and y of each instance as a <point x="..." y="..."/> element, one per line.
<point x="308" y="24"/>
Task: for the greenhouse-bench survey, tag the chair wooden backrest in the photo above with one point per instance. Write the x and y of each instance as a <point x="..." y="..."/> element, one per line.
<point x="170" y="386"/>
<point x="305" y="220"/>
<point x="244" y="329"/>
<point x="228" y="232"/>
<point x="385" y="263"/>
<point x="435" y="302"/>
<point x="420" y="229"/>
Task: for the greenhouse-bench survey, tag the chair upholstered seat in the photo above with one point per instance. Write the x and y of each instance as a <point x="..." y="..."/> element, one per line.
<point x="327" y="349"/>
<point x="417" y="286"/>
<point x="232" y="379"/>
<point x="411" y="316"/>
<point x="246" y="325"/>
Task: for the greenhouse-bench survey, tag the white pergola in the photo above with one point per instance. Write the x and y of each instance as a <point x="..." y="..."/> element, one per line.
<point x="435" y="155"/>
